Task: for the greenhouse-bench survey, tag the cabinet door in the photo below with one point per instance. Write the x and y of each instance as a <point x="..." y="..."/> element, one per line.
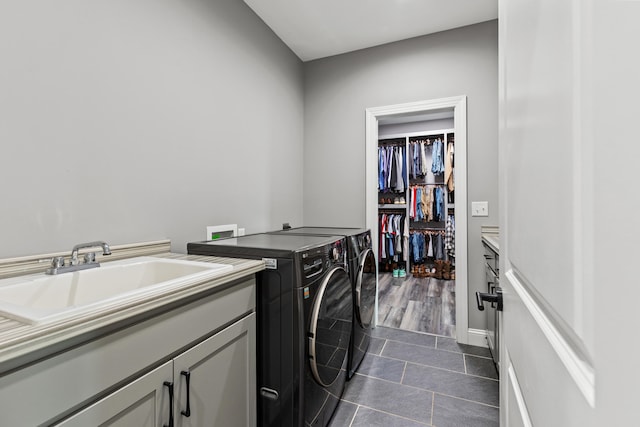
<point x="216" y="379"/>
<point x="142" y="403"/>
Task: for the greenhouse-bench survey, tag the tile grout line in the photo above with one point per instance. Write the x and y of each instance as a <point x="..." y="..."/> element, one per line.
<point x="488" y="405"/>
<point x="404" y="369"/>
<point x="429" y="366"/>
<point x="383" y="346"/>
<point x="384" y="412"/>
<point x="424" y="389"/>
<point x="433" y="404"/>
<point x="479" y="357"/>
<point x="464" y="361"/>
<point x="353" y="418"/>
<point x="431" y="334"/>
<point x="466" y="400"/>
<point x="435" y="348"/>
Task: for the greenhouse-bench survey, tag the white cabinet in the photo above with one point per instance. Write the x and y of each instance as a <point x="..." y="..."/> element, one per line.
<point x="118" y="378"/>
<point x="216" y="379"/>
<point x="212" y="383"/>
<point x="143" y="403"/>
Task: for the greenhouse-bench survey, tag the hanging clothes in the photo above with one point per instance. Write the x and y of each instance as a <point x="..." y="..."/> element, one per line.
<point x="382" y="172"/>
<point x="450" y="237"/>
<point x="399" y="183"/>
<point x="427" y="197"/>
<point x="416" y="161"/>
<point x="439" y="246"/>
<point x="394" y="238"/>
<point x="423" y="159"/>
<point x="392" y="168"/>
<point x="438" y="204"/>
<point x="448" y="168"/>
<point x="437" y="160"/>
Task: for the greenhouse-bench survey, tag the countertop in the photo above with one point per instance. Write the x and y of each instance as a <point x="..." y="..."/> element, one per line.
<point x="492" y="241"/>
<point x="491" y="236"/>
<point x="22" y="343"/>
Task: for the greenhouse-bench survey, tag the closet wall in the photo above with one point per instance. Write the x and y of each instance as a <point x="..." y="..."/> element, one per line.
<point x="338" y="90"/>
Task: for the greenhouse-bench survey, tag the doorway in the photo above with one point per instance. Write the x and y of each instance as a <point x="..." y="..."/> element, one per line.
<point x="414" y="112"/>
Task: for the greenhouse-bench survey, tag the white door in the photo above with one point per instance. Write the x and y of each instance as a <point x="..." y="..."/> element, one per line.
<point x="569" y="167"/>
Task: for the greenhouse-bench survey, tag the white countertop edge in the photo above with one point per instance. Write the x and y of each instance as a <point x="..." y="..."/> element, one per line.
<point x="492" y="240"/>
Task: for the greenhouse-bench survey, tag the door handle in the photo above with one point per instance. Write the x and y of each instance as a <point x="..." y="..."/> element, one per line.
<point x="481" y="297"/>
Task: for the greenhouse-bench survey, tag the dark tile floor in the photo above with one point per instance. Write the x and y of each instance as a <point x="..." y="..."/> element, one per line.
<point x="414" y="379"/>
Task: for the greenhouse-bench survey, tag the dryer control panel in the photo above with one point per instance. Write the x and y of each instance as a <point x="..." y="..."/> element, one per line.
<point x="318" y="260"/>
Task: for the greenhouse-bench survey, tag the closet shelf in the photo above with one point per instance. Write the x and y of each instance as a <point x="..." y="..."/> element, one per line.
<point x="393" y="206"/>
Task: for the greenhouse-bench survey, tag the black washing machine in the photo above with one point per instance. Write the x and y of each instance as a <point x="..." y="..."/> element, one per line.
<point x="363" y="270"/>
<point x="304" y="323"/>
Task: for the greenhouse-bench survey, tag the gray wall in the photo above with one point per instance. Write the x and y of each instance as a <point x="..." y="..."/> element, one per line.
<point x="132" y="121"/>
<point x="339" y="89"/>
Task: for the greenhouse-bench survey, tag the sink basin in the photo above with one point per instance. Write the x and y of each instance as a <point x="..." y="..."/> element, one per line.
<point x="41" y="298"/>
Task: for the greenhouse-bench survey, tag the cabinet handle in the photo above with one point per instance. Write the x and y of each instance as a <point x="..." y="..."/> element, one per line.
<point x="169" y="385"/>
<point x="187" y="376"/>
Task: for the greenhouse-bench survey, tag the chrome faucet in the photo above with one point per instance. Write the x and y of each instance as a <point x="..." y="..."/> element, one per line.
<point x="74" y="251"/>
<point x="58" y="266"/>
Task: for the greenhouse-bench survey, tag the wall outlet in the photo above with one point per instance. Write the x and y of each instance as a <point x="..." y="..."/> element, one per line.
<point x="479" y="208"/>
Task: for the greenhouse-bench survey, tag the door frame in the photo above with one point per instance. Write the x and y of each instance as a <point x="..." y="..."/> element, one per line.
<point x="459" y="106"/>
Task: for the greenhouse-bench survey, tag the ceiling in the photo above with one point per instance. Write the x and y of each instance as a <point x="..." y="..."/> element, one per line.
<point x="319" y="28"/>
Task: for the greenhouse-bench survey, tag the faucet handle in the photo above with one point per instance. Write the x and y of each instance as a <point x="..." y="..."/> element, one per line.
<point x="90" y="257"/>
<point x="57" y="262"/>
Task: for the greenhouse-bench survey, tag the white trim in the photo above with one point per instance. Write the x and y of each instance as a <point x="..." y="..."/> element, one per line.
<point x="459" y="105"/>
<point x="517" y="392"/>
<point x="424" y="133"/>
<point x="477" y="337"/>
<point x="580" y="371"/>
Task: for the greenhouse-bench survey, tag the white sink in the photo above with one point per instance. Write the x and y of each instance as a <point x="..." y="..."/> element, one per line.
<point x="41" y="298"/>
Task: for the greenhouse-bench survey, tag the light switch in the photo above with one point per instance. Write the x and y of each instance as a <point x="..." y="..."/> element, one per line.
<point x="479" y="208"/>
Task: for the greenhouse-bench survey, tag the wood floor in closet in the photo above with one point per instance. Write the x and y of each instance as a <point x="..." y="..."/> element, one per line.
<point x="417" y="304"/>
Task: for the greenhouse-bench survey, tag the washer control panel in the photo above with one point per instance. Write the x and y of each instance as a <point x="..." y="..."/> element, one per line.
<point x="318" y="260"/>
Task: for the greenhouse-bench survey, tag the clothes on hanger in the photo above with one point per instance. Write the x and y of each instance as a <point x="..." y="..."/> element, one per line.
<point x="394" y="237"/>
<point x="437" y="157"/>
<point x="438" y="204"/>
<point x="450" y="237"/>
<point x="448" y="167"/>
<point x="418" y="158"/>
<point x="426" y="246"/>
<point x="426" y="203"/>
<point x="392" y="170"/>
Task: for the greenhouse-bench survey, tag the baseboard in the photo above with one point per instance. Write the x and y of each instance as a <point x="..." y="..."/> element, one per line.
<point x="477" y="337"/>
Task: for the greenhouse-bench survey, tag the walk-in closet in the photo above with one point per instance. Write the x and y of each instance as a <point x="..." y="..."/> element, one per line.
<point x="416" y="225"/>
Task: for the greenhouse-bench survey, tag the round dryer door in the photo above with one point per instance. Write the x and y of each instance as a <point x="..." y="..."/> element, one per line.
<point x="366" y="289"/>
<point x="330" y="331"/>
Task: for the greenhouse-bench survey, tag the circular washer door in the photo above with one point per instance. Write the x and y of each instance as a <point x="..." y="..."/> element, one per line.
<point x="330" y="328"/>
<point x="366" y="289"/>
